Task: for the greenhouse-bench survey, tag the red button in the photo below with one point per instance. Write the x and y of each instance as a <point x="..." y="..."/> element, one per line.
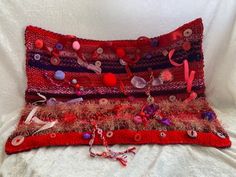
<point x="137" y="137"/>
<point x="55" y="61"/>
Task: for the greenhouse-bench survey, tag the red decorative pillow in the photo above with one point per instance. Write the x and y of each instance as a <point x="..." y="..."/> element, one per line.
<point x="144" y="91"/>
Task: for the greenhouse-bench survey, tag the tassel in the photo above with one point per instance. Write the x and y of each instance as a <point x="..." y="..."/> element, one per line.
<point x="119" y="156"/>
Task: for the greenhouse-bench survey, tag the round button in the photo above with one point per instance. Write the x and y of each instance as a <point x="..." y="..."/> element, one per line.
<point x="109" y="134"/>
<point x="37" y="56"/>
<point x="122" y="62"/>
<point x="39" y="43"/>
<point x="55" y="61"/>
<point x="59" y="46"/>
<point x="172" y="98"/>
<point x="221" y="135"/>
<point x="103" y="101"/>
<point x="59" y="75"/>
<point x="162" y="135"/>
<point x="192" y="133"/>
<point x="186" y="45"/>
<point x="98" y="63"/>
<point x="86" y="136"/>
<point x="18" y="140"/>
<point x="99" y="50"/>
<point x="188" y="32"/>
<point x="53" y="135"/>
<point x="76" y="45"/>
<point x="137" y="137"/>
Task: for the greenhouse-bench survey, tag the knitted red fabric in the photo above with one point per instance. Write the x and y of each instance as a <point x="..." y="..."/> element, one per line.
<point x="144" y="91"/>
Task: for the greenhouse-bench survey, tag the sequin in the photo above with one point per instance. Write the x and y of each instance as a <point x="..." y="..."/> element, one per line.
<point x="55" y="61"/>
<point x="109" y="134"/>
<point x="138" y="82"/>
<point x="122" y="62"/>
<point x="137" y="137"/>
<point x="103" y="101"/>
<point x="192" y="133"/>
<point x="18" y="140"/>
<point x="37" y="56"/>
<point x="99" y="50"/>
<point x="221" y="135"/>
<point x="172" y="98"/>
<point x="188" y="32"/>
<point x="98" y="63"/>
<point x="59" y="46"/>
<point x="53" y="135"/>
<point x="162" y="135"/>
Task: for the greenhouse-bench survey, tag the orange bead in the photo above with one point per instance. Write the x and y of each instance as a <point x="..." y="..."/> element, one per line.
<point x="77" y="86"/>
<point x="39" y="43"/>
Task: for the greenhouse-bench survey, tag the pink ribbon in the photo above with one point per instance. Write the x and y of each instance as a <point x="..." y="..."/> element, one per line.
<point x="188" y="77"/>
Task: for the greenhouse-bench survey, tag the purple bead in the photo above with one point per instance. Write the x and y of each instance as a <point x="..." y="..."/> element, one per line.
<point x="208" y="115"/>
<point x="165" y="121"/>
<point x="148" y="56"/>
<point x="154" y="42"/>
<point x="151" y="109"/>
<point x="59" y="75"/>
<point x="59" y="46"/>
<point x="86" y="136"/>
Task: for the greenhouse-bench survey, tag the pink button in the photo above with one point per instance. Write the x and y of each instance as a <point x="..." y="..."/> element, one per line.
<point x="76" y="45"/>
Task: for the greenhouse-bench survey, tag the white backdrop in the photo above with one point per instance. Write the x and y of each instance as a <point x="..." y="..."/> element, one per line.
<point x="120" y="19"/>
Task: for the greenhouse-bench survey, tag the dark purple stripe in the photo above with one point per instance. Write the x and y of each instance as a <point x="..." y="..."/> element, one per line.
<point x="119" y="95"/>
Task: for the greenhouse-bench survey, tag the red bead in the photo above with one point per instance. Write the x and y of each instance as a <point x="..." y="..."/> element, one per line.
<point x="120" y="52"/>
<point x="77" y="86"/>
<point x="109" y="79"/>
<point x="39" y="43"/>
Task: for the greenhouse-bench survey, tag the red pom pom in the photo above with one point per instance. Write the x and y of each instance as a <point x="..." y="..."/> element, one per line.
<point x="120" y="52"/>
<point x="109" y="79"/>
<point x="39" y="43"/>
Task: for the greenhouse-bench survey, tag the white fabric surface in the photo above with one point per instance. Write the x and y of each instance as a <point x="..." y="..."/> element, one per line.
<point x="120" y="19"/>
